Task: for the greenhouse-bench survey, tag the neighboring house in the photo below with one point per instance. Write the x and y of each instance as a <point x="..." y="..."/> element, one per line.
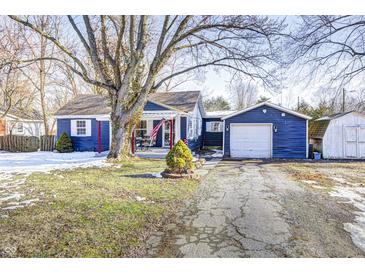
<point x="340" y="135"/>
<point x="21" y="122"/>
<point x="86" y="119"/>
<point x="213" y="128"/>
<point x="265" y="130"/>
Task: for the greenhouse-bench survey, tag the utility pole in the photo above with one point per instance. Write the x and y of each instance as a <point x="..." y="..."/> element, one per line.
<point x="343" y="100"/>
<point x="298" y="104"/>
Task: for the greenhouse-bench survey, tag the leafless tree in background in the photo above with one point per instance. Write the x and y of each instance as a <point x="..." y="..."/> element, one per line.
<point x="14" y="90"/>
<point x="333" y="46"/>
<point x="243" y="94"/>
<point x="128" y="54"/>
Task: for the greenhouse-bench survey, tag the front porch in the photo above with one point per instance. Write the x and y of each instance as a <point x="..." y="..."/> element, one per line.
<point x="156" y="133"/>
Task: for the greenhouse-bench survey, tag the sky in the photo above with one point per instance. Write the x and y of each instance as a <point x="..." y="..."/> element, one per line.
<point x="216" y="83"/>
<point x="293" y="88"/>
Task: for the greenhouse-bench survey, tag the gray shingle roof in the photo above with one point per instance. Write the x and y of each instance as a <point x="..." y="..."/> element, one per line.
<point x="99" y="104"/>
<point x="182" y="100"/>
<point x="27" y="114"/>
<point x="86" y="105"/>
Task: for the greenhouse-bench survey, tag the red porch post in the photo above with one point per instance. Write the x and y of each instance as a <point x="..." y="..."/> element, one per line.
<point x="99" y="137"/>
<point x="171" y="133"/>
<point x="133" y="141"/>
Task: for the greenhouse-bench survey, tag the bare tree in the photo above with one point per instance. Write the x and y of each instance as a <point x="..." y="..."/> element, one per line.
<point x="128" y="54"/>
<point x="333" y="46"/>
<point x="14" y="90"/>
<point x="243" y="94"/>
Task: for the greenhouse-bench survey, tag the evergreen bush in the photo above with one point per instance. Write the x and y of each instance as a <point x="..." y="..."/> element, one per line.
<point x="64" y="144"/>
<point x="179" y="159"/>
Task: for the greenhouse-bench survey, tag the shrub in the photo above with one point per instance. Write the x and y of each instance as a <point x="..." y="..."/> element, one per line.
<point x="64" y="143"/>
<point x="179" y="159"/>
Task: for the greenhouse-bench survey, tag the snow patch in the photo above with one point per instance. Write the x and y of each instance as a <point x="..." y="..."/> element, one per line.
<point x="217" y="153"/>
<point x="355" y="196"/>
<point x="45" y="161"/>
<point x="157" y="175"/>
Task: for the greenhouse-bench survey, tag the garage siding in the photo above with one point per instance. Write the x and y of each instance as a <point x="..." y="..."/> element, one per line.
<point x="288" y="142"/>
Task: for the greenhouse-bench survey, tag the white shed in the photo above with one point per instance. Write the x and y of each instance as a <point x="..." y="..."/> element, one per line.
<point x="339" y="136"/>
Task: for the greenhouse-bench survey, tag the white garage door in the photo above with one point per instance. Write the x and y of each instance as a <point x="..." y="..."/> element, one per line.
<point x="250" y="140"/>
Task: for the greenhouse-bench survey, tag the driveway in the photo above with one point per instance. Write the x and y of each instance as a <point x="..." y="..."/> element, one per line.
<point x="255" y="209"/>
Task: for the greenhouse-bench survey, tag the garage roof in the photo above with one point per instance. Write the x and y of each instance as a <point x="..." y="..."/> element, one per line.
<point x="295" y="113"/>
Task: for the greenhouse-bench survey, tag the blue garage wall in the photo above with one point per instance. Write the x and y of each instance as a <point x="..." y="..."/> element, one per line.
<point x="212" y="138"/>
<point x="89" y="143"/>
<point x="152" y="106"/>
<point x="288" y="142"/>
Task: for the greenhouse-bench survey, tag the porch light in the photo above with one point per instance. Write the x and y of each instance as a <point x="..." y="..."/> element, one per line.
<point x="227" y="127"/>
<point x="275" y="128"/>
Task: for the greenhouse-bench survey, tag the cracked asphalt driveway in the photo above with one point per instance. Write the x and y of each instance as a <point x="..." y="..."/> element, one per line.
<point x="253" y="209"/>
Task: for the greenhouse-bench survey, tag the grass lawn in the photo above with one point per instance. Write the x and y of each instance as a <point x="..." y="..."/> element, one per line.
<point x="325" y="175"/>
<point x="94" y="212"/>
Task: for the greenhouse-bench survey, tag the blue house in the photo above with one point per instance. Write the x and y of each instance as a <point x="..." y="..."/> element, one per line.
<point x="86" y="119"/>
<point x="265" y="130"/>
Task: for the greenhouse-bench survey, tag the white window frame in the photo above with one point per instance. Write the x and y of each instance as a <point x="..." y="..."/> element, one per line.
<point x="210" y="126"/>
<point x="21" y="126"/>
<point x="74" y="127"/>
<point x="190" y="122"/>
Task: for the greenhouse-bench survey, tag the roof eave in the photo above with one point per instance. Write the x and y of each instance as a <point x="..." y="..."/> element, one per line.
<point x="269" y="105"/>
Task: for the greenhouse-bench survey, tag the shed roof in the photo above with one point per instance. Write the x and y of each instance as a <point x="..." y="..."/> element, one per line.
<point x="317" y="129"/>
<point x="99" y="105"/>
<point x="337" y="115"/>
<point x="21" y="113"/>
<point x="295" y="113"/>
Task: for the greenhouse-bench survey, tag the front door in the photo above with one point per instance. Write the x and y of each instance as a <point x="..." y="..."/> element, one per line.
<point x="166" y="133"/>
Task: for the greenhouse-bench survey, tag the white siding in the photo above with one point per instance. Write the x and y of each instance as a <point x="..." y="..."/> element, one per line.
<point x="30" y="128"/>
<point x="334" y="138"/>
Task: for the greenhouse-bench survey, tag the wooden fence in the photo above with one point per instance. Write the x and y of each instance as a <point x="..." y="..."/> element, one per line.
<point x="17" y="143"/>
<point x="47" y="143"/>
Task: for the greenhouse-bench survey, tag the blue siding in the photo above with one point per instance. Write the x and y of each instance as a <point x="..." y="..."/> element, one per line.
<point x="290" y="139"/>
<point x="183" y="128"/>
<point x="152" y="106"/>
<point x="89" y="143"/>
<point x="211" y="138"/>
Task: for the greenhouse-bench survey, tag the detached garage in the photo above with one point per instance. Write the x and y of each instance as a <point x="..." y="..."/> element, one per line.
<point x="266" y="130"/>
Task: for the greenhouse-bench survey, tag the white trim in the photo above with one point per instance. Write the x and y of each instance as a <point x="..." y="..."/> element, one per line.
<point x="73" y="124"/>
<point x="224" y="134"/>
<point x="99" y="117"/>
<point x="269" y="105"/>
<point x="306" y="140"/>
<point x="252" y="124"/>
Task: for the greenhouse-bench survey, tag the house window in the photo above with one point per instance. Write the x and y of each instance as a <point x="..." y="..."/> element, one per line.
<point x="190" y="128"/>
<point x="214" y="126"/>
<point x="81" y="128"/>
<point x="141" y="130"/>
<point x="20" y="127"/>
